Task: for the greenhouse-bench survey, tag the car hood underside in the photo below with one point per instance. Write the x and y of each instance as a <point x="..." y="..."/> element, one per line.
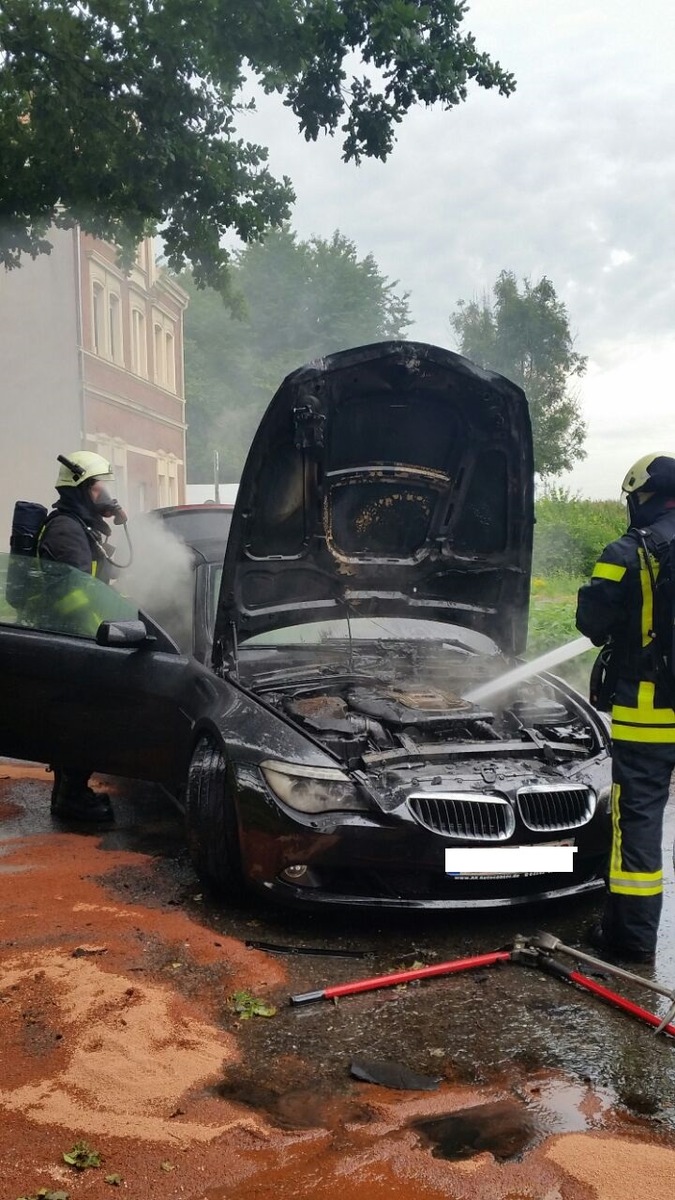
<point x="392" y="480"/>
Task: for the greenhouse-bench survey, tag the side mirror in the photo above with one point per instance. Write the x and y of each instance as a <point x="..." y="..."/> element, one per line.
<point x="122" y="633"/>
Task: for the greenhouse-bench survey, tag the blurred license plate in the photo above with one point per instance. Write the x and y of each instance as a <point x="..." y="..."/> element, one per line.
<point x="490" y="862"/>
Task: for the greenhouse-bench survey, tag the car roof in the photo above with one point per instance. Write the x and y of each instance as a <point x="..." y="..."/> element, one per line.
<point x="207" y="506"/>
<point x="209" y="550"/>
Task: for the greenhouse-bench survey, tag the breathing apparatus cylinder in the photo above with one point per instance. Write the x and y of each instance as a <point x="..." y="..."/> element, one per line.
<point x="27" y="523"/>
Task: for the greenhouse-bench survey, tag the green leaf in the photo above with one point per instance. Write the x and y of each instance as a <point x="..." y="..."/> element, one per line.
<point x="114" y="1180"/>
<point x="122" y="115"/>
<point x="246" y="1005"/>
<point x="46" y="1194"/>
<point x="82" y="1157"/>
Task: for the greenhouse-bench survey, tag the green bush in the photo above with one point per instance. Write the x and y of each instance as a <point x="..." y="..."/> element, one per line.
<point x="570" y="532"/>
<point x="553" y="606"/>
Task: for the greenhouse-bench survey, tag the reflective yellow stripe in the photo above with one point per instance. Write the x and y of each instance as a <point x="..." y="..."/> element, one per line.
<point x="640" y="716"/>
<point x="628" y="883"/>
<point x="644" y="723"/>
<point x="615" y="857"/>
<point x="626" y="889"/>
<point x="638" y="880"/>
<point x="603" y="570"/>
<point x="647" y="596"/>
<point x="645" y="877"/>
<point x="646" y="694"/>
<point x="642" y="733"/>
<point x="94" y="565"/>
<point x="644" y="713"/>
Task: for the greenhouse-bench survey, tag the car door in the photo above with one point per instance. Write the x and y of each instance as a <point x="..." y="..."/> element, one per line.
<point x="65" y="699"/>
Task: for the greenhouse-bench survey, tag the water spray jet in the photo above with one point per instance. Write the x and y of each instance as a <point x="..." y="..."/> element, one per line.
<point x="552" y="658"/>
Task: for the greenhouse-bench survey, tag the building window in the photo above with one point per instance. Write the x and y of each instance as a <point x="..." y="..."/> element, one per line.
<point x="162" y="483"/>
<point x="170" y="363"/>
<point x="172" y="472"/>
<point x="160" y="373"/>
<point x="139" y="349"/>
<point x="98" y="324"/>
<point x="164" y="345"/>
<point x="115" y="327"/>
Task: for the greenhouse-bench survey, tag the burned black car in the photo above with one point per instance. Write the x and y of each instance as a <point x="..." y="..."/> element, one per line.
<point x="377" y="572"/>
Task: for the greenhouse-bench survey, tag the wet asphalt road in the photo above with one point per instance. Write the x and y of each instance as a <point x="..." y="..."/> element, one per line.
<point x="499" y="1025"/>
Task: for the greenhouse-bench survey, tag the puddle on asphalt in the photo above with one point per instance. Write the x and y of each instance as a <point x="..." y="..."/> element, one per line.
<point x="298" y="1107"/>
<point x="508" y="1128"/>
<point x="538" y="1107"/>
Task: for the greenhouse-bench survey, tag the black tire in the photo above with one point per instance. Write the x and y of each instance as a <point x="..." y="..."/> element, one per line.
<point x="210" y="821"/>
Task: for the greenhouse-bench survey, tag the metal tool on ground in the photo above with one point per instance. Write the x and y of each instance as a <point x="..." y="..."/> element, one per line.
<point x="398" y="977"/>
<point x="535" y="951"/>
<point x="548" y="944"/>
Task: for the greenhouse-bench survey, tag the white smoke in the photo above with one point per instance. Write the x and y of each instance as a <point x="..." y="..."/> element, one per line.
<point x="161" y="578"/>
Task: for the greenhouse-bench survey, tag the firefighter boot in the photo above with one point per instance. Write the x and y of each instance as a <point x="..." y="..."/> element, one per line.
<point x="74" y="800"/>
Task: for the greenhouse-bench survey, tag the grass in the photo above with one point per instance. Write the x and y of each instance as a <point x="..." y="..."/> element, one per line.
<point x="553" y="603"/>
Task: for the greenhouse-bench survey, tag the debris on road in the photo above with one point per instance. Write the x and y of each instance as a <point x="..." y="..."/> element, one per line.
<point x="247" y="1005"/>
<point x="319" y="952"/>
<point x="82" y="1157"/>
<point x="391" y="1075"/>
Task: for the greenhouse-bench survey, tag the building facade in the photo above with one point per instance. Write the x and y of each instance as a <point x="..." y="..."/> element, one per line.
<point x="91" y="357"/>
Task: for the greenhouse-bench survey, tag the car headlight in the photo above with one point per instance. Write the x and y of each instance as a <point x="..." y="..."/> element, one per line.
<point x="312" y="789"/>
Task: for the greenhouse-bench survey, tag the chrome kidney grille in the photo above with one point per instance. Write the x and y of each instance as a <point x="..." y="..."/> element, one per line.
<point x="473" y="818"/>
<point x="556" y="807"/>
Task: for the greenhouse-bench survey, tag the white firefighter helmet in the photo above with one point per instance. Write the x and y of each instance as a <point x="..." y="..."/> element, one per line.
<point x="91" y="466"/>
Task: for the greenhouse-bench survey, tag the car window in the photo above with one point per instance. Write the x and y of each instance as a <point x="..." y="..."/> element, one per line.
<point x="55" y="598"/>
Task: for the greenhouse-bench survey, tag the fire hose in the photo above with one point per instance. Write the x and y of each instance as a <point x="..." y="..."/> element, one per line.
<point x="535" y="951"/>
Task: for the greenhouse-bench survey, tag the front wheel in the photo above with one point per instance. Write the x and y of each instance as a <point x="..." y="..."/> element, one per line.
<point x="210" y="821"/>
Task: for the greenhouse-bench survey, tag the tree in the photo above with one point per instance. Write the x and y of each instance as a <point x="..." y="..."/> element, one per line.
<point x="298" y="300"/>
<point x="121" y="114"/>
<point x="526" y="336"/>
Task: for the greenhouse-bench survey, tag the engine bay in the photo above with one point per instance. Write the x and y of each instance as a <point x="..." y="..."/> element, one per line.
<point x="368" y="722"/>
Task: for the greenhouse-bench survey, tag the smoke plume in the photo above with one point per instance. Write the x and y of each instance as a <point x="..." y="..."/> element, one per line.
<point x="160" y="579"/>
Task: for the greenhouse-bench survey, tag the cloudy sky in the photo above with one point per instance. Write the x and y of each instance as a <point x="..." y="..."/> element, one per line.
<point x="572" y="177"/>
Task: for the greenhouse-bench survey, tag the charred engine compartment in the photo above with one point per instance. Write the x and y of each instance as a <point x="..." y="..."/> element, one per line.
<point x="371" y="723"/>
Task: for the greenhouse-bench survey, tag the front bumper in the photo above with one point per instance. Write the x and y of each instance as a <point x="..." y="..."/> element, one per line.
<point x="285" y="893"/>
<point x="383" y="861"/>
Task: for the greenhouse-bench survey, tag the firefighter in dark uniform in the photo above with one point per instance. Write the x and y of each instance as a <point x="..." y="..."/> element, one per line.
<point x="76" y="534"/>
<point x="617" y="608"/>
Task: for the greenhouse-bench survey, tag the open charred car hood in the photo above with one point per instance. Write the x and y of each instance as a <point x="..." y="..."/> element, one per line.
<point x="391" y="480"/>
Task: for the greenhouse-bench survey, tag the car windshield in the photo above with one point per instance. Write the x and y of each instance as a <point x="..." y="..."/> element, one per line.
<point x="376" y="647"/>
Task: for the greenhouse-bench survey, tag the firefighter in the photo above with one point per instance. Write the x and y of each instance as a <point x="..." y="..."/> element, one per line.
<point x="617" y="608"/>
<point x="76" y="534"/>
